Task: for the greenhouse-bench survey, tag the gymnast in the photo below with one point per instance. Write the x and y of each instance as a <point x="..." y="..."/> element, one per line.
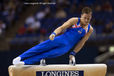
<point x="78" y="30"/>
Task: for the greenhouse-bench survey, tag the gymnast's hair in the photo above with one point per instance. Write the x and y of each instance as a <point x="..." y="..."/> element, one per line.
<point x="86" y="10"/>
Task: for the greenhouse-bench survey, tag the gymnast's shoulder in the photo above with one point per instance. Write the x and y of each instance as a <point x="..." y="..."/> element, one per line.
<point x="73" y="20"/>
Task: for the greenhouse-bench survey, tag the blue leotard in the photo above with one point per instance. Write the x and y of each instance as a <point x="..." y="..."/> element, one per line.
<point x="57" y="47"/>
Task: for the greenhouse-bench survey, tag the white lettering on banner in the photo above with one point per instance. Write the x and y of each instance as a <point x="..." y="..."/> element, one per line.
<point x="59" y="73"/>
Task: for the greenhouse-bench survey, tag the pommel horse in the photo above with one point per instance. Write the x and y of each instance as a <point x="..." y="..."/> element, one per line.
<point x="58" y="70"/>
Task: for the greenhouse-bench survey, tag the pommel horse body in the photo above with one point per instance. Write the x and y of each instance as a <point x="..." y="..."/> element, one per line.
<point x="58" y="70"/>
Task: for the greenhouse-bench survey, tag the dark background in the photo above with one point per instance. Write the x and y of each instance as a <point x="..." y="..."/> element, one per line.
<point x="23" y="26"/>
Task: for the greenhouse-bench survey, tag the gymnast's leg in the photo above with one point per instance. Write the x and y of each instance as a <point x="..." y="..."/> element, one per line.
<point x="36" y="50"/>
<point x="50" y="54"/>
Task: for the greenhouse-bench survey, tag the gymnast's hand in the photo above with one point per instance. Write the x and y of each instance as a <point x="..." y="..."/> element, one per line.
<point x="72" y="60"/>
<point x="52" y="36"/>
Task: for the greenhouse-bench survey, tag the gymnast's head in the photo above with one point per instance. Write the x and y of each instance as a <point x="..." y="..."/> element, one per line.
<point x="86" y="15"/>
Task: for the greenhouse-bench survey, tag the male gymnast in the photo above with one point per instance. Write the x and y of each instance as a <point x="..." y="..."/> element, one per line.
<point x="78" y="30"/>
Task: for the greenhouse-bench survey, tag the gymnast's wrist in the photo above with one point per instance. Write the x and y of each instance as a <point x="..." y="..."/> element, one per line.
<point x="54" y="33"/>
<point x="73" y="53"/>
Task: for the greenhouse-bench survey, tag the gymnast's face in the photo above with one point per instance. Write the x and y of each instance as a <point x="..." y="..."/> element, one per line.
<point x="85" y="18"/>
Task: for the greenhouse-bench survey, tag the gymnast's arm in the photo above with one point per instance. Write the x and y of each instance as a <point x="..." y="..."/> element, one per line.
<point x="83" y="40"/>
<point x="66" y="25"/>
<point x="81" y="43"/>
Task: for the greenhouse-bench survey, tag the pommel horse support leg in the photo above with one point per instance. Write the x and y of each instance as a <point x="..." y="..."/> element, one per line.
<point x="58" y="70"/>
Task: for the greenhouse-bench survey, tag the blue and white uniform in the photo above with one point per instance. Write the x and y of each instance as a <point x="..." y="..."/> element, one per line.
<point x="57" y="47"/>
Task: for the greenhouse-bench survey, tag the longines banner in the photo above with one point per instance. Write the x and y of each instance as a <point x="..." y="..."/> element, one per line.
<point x="60" y="73"/>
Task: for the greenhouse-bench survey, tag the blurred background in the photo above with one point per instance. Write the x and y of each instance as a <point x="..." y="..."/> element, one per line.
<point x="23" y="26"/>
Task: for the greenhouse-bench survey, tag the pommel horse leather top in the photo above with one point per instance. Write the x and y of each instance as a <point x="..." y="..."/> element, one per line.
<point x="31" y="70"/>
